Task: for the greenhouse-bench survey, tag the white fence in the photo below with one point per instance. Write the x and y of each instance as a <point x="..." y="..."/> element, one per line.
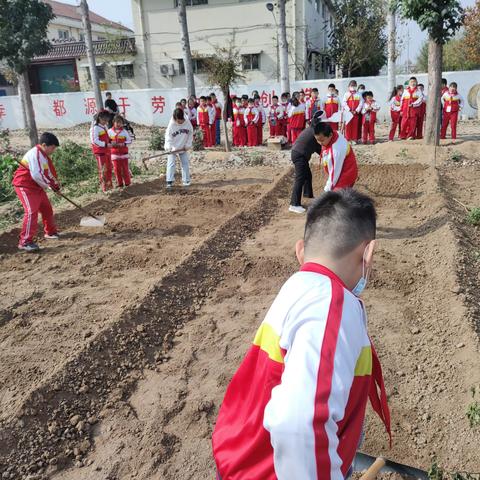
<point x="154" y="107"/>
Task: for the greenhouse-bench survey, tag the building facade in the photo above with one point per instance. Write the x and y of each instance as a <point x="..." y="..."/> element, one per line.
<point x="247" y="23"/>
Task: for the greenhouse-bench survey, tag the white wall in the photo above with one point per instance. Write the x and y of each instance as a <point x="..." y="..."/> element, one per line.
<point x="140" y="109"/>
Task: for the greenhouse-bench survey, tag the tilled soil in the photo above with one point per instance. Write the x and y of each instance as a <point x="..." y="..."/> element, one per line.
<point x="120" y="374"/>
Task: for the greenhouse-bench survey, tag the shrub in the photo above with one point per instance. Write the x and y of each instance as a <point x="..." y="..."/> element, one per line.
<point x="157" y="139"/>
<point x="8" y="165"/>
<point x="473" y="216"/>
<point x="74" y="163"/>
<point x="197" y="140"/>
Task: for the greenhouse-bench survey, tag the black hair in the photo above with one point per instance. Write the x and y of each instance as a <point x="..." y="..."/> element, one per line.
<point x="275" y="96"/>
<point x="352" y="82"/>
<point x="251" y="100"/>
<point x="102" y="115"/>
<point x="49" y="139"/>
<point x="118" y="118"/>
<point x="256" y="97"/>
<point x="339" y="221"/>
<point x="412" y="78"/>
<point x="209" y="98"/>
<point x="332" y="85"/>
<point x="315" y="89"/>
<point x="177" y="104"/>
<point x="369" y="94"/>
<point x="295" y="94"/>
<point x="444" y="81"/>
<point x="421" y="85"/>
<point x="178" y="114"/>
<point x="254" y="93"/>
<point x="284" y="95"/>
<point x="319" y="127"/>
<point x="203" y="97"/>
<point x="395" y="91"/>
<point x="454" y="84"/>
<point x="361" y="85"/>
<point x="364" y="94"/>
<point x="295" y="101"/>
<point x="244" y="97"/>
<point x="212" y="95"/>
<point x="108" y="93"/>
<point x="183" y="100"/>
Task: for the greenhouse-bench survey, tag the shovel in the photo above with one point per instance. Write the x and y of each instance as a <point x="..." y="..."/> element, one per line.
<point x="374" y="466"/>
<point x="88" y="221"/>
<point x="158" y="156"/>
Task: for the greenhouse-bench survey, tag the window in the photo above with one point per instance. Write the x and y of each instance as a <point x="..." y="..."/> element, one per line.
<point x="82" y="37"/>
<point x="192" y="3"/>
<point x="199" y="66"/>
<point x="125" y="71"/>
<point x="63" y="35"/>
<point x="100" y="73"/>
<point x="251" y="61"/>
<point x="101" y="38"/>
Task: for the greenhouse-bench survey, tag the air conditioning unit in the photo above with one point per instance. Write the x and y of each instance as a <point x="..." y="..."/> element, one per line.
<point x="167" y="70"/>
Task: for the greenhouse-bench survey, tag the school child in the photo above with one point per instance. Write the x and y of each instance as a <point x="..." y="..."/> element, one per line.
<point x="275" y="117"/>
<point x="100" y="147"/>
<point x="295" y="408"/>
<point x="452" y="103"/>
<point x="252" y="117"/>
<point x="395" y="111"/>
<point x="422" y="114"/>
<point x="331" y="105"/>
<point x="313" y="105"/>
<point x="212" y="115"/>
<point x="285" y="104"/>
<point x="369" y="118"/>
<point x="239" y="128"/>
<point x="353" y="103"/>
<point x="302" y="97"/>
<point x="262" y="119"/>
<point x="444" y="88"/>
<point x="178" y="105"/>
<point x="183" y="102"/>
<point x="412" y="100"/>
<point x="196" y="103"/>
<point x="218" y="115"/>
<point x="30" y="180"/>
<point x="244" y="101"/>
<point x="361" y="90"/>
<point x="203" y="121"/>
<point x="192" y="112"/>
<point x="296" y="114"/>
<point x="119" y="141"/>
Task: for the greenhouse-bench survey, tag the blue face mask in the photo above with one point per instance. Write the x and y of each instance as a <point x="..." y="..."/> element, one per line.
<point x="362" y="283"/>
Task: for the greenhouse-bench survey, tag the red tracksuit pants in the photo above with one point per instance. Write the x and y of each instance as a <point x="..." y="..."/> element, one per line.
<point x="122" y="172"/>
<point x="239" y="136"/>
<point x="213" y="134"/>
<point x="252" y="132"/>
<point x="276" y="130"/>
<point x="104" y="163"/>
<point x="419" y="127"/>
<point x="207" y="133"/>
<point x="352" y="128"/>
<point x="368" y="131"/>
<point x="295" y="133"/>
<point x="35" y="201"/>
<point x="260" y="132"/>
<point x="409" y="124"/>
<point x="396" y="119"/>
<point x="452" y="119"/>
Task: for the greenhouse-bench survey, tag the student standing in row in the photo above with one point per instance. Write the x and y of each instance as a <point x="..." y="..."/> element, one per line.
<point x="119" y="141"/>
<point x="238" y="124"/>
<point x="285" y="105"/>
<point x="100" y="147"/>
<point x="179" y="136"/>
<point x="275" y="117"/>
<point x="395" y="111"/>
<point x="262" y="118"/>
<point x="412" y="100"/>
<point x="353" y="103"/>
<point x="331" y="105"/>
<point x="313" y="105"/>
<point x="212" y="113"/>
<point x="30" y="181"/>
<point x="252" y="117"/>
<point x="369" y="118"/>
<point x="218" y="115"/>
<point x="296" y="116"/>
<point x="452" y="103"/>
<point x="422" y="114"/>
<point x="192" y="112"/>
<point x="203" y="120"/>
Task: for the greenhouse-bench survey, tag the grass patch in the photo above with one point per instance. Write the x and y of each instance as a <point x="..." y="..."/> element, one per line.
<point x="456" y="156"/>
<point x="473" y="410"/>
<point x="473" y="216"/>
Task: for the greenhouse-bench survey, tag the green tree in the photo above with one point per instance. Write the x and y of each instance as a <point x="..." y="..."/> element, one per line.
<point x="224" y="70"/>
<point x="23" y="35"/>
<point x="441" y="19"/>
<point x="472" y="33"/>
<point x="358" y="42"/>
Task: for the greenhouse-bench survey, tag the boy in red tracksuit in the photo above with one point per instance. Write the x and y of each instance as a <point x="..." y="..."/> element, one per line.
<point x="353" y="103"/>
<point x="295" y="408"/>
<point x="296" y="115"/>
<point x="312" y="105"/>
<point x="412" y="100"/>
<point x="331" y="104"/>
<point x="422" y="114"/>
<point x="212" y="115"/>
<point x="30" y="181"/>
<point x="239" y="128"/>
<point x="395" y="111"/>
<point x="252" y="117"/>
<point x="369" y="118"/>
<point x="218" y="115"/>
<point x="203" y="121"/>
<point x="275" y="117"/>
<point x="100" y="147"/>
<point x="262" y="118"/>
<point x="452" y="103"/>
<point x="120" y="140"/>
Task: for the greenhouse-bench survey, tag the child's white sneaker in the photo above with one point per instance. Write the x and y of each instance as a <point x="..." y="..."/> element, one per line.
<point x="187" y="184"/>
<point x="54" y="236"/>
<point x="169" y="185"/>
<point x="296" y="209"/>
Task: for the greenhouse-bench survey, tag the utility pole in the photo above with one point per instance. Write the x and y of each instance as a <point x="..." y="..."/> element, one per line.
<point x="392" y="50"/>
<point x="270" y="8"/>
<point x="87" y="29"/>
<point x="187" y="53"/>
<point x="284" y="73"/>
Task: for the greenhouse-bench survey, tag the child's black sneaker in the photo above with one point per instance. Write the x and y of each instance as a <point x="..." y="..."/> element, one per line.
<point x="30" y="247"/>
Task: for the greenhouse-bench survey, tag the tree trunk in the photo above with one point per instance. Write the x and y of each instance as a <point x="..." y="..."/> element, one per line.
<point x="226" y="96"/>
<point x="187" y="53"/>
<point x="432" y="128"/>
<point x="282" y="27"/>
<point x="392" y="51"/>
<point x="27" y="106"/>
<point x="87" y="29"/>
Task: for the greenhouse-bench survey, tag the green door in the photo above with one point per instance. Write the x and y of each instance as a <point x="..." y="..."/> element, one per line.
<point x="56" y="78"/>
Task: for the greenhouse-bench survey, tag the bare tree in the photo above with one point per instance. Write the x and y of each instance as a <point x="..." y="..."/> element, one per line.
<point x="87" y="29"/>
<point x="283" y="45"/>
<point x="187" y="53"/>
<point x="392" y="47"/>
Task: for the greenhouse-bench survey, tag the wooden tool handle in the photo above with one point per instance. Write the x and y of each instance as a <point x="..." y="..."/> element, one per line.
<point x="373" y="471"/>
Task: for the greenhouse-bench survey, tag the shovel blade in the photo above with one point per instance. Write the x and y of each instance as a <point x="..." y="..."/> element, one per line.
<point x="98" y="221"/>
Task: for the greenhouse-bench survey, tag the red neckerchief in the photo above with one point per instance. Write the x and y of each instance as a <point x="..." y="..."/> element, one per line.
<point x="379" y="402"/>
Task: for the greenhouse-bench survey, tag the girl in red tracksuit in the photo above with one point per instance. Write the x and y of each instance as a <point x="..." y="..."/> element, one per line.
<point x="353" y="103"/>
<point x="192" y="112"/>
<point x="120" y="140"/>
<point x="369" y="118"/>
<point x="331" y="105"/>
<point x="395" y="111"/>
<point x="239" y="128"/>
<point x="100" y="147"/>
<point x="262" y="118"/>
<point x="412" y="101"/>
<point x="252" y="117"/>
<point x="275" y="117"/>
<point x="296" y="114"/>
<point x="452" y="103"/>
<point x="203" y="120"/>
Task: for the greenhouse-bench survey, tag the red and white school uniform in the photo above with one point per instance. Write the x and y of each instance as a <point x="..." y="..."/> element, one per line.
<point x="339" y="163"/>
<point x="395" y="114"/>
<point x="312" y="106"/>
<point x="284" y="123"/>
<point x="275" y="120"/>
<point x="252" y="117"/>
<point x="192" y="116"/>
<point x="119" y="155"/>
<point x="353" y="102"/>
<point x="203" y="120"/>
<point x="30" y="181"/>
<point x="212" y="111"/>
<point x="369" y="118"/>
<point x="261" y="121"/>
<point x="218" y="116"/>
<point x="100" y="141"/>
<point x="412" y="100"/>
<point x="452" y="105"/>
<point x="331" y="106"/>
<point x="239" y="127"/>
<point x="297" y="121"/>
<point x="295" y="407"/>
<point x="421" y="119"/>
